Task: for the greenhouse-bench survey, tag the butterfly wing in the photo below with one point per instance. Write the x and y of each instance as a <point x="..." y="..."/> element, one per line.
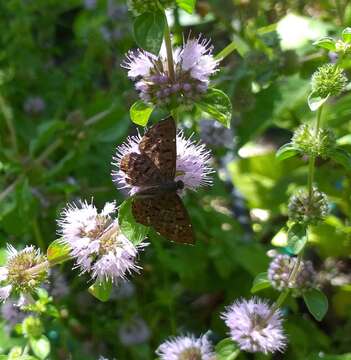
<point x="140" y="170"/>
<point x="159" y="144"/>
<point x="167" y="215"/>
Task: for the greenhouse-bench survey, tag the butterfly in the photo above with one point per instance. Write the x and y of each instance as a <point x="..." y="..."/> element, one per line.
<point x="153" y="171"/>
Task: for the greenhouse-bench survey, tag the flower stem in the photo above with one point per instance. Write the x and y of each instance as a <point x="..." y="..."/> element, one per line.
<point x="168" y="43"/>
<point x="226" y="51"/>
<point x="44" y="266"/>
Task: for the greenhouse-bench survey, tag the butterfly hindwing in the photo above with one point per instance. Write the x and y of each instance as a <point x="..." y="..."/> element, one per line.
<point x="159" y="144"/>
<point x="167" y="215"/>
<point x="140" y="170"/>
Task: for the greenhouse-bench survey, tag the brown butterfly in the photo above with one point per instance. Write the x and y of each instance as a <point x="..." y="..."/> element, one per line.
<point x="157" y="203"/>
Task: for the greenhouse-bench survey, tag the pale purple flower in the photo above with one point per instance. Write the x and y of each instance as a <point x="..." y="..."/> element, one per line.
<point x="12" y="314"/>
<point x="34" y="105"/>
<point x="192" y="165"/>
<point x="96" y="242"/>
<point x="280" y="270"/>
<point x="133" y="332"/>
<point x="255" y="326"/>
<point x="194" y="64"/>
<point x="186" y="348"/>
<point x="58" y="286"/>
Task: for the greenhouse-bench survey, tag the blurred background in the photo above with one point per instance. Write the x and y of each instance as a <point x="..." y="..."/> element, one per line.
<point x="64" y="102"/>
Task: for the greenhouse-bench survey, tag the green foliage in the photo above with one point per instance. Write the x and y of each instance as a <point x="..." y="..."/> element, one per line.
<point x="58" y="252"/>
<point x="260" y="282"/>
<point x="226" y="349"/>
<point x="149" y="29"/>
<point x="317" y="303"/>
<point x="140" y="113"/>
<point x="101" y="290"/>
<point x="297" y="238"/>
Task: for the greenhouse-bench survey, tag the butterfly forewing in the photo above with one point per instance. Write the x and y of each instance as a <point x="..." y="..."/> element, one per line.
<point x="167" y="215"/>
<point x="159" y="144"/>
<point x="140" y="170"/>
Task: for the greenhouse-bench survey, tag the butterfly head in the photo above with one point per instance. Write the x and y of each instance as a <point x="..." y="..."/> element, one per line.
<point x="179" y="185"/>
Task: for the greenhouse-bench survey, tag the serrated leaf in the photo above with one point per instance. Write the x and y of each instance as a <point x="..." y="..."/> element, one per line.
<point x="316" y="302"/>
<point x="217" y="104"/>
<point x="260" y="282"/>
<point x="132" y="230"/>
<point x="346" y="35"/>
<point x="58" y="252"/>
<point x="326" y="43"/>
<point x="297" y="238"/>
<point x="315" y="102"/>
<point x="101" y="290"/>
<point x="286" y="151"/>
<point x="226" y="349"/>
<point x="40" y="347"/>
<point x="140" y="113"/>
<point x="342" y="157"/>
<point x="187" y="5"/>
<point x="149" y="30"/>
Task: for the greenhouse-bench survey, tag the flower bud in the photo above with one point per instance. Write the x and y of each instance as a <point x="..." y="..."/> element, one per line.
<point x="303" y="209"/>
<point x="280" y="270"/>
<point x="139" y="7"/>
<point x="311" y="144"/>
<point x="32" y="327"/>
<point x="329" y="79"/>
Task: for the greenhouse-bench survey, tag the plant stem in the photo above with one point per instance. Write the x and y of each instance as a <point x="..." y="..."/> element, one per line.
<point x="6" y="110"/>
<point x="38" y="236"/>
<point x="168" y="43"/>
<point x="226" y="51"/>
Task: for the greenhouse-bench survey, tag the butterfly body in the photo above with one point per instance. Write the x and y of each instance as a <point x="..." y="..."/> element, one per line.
<point x="153" y="171"/>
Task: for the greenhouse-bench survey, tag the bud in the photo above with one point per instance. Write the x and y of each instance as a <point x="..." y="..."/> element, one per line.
<point x="32" y="327"/>
<point x="280" y="270"/>
<point x="25" y="271"/>
<point x="312" y="211"/>
<point x="311" y="144"/>
<point x="139" y="7"/>
<point x="329" y="79"/>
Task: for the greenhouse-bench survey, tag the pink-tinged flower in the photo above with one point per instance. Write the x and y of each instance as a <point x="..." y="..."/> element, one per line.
<point x="16" y="277"/>
<point x="194" y="64"/>
<point x="96" y="242"/>
<point x="192" y="165"/>
<point x="186" y="348"/>
<point x="255" y="326"/>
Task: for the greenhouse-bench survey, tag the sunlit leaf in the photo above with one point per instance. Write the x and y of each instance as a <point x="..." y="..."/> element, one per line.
<point x="187" y="5"/>
<point x="297" y="238"/>
<point x="101" y="290"/>
<point x="315" y="102"/>
<point x="286" y="151"/>
<point x="326" y="43"/>
<point x="346" y="35"/>
<point x="58" y="252"/>
<point x="261" y="282"/>
<point x="342" y="157"/>
<point x="40" y="347"/>
<point x="226" y="349"/>
<point x="140" y="113"/>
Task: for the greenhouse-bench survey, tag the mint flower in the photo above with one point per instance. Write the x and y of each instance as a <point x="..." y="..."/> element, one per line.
<point x="192" y="165"/>
<point x="97" y="243"/>
<point x="186" y="348"/>
<point x="194" y="64"/>
<point x="255" y="326"/>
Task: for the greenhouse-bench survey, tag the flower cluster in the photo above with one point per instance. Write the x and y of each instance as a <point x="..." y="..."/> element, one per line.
<point x="329" y="79"/>
<point x="24" y="272"/>
<point x="280" y="269"/>
<point x="186" y="348"/>
<point x="317" y="145"/>
<point x="193" y="66"/>
<point x="308" y="210"/>
<point x="255" y="326"/>
<point x="192" y="166"/>
<point x="97" y="243"/>
<point x="215" y="134"/>
<point x="141" y="6"/>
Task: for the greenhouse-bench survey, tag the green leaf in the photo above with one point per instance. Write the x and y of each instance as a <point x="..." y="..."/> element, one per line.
<point x="316" y="302"/>
<point x="40" y="347"/>
<point x="187" y="5"/>
<point x="149" y="29"/>
<point x="132" y="230"/>
<point x="261" y="282"/>
<point x="342" y="157"/>
<point x="217" y="104"/>
<point x="297" y="238"/>
<point x="58" y="252"/>
<point x="346" y="35"/>
<point x="326" y="43"/>
<point x="101" y="290"/>
<point x="226" y="349"/>
<point x="140" y="113"/>
<point x="286" y="151"/>
<point x="315" y="102"/>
